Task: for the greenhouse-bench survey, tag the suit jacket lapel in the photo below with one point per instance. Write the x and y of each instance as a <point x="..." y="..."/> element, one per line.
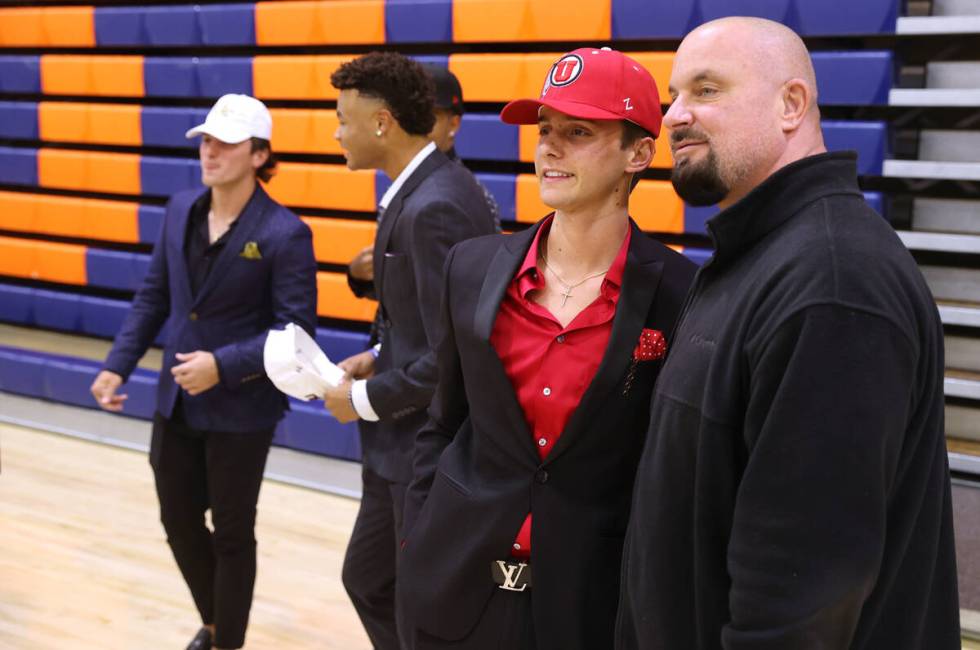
<point x="250" y="217"/>
<point x="498" y="277"/>
<point x="180" y="213"/>
<point x="387" y="225"/>
<point x="640" y="281"/>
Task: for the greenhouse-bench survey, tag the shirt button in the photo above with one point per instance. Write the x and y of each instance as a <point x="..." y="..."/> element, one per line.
<point x="561" y="338"/>
<point x="517" y="547"/>
<point x="546" y="391"/>
<point x="541" y="476"/>
<point x="193" y="315"/>
<point x="542" y="442"/>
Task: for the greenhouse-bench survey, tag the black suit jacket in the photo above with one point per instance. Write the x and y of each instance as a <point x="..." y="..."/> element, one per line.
<point x="439" y="205"/>
<point x="478" y="473"/>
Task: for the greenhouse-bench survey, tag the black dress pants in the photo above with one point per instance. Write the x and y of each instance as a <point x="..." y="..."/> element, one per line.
<point x="370" y="566"/>
<point x="197" y="470"/>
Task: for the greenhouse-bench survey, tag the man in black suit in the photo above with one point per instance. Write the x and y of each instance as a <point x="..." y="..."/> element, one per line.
<point x="230" y="265"/>
<point x="386" y="113"/>
<point x="551" y="340"/>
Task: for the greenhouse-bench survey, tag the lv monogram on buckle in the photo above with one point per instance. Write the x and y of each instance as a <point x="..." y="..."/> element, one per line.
<point x="511" y="576"/>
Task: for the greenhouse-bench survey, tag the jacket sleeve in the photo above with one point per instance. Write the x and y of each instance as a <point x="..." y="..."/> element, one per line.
<point x="447" y="413"/>
<point x="294" y="294"/>
<point x="147" y="314"/>
<point x="830" y="393"/>
<point x="434" y="231"/>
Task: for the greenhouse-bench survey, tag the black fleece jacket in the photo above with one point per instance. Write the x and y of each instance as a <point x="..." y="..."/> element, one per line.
<point x="794" y="490"/>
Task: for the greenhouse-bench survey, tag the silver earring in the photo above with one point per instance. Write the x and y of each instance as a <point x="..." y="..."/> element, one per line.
<point x="452" y="134"/>
<point x="378" y="133"/>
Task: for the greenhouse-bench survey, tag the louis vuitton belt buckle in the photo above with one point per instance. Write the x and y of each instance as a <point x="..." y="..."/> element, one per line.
<point x="511" y="575"/>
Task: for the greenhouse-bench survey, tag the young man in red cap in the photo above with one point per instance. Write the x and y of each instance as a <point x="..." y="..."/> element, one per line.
<point x="550" y="345"/>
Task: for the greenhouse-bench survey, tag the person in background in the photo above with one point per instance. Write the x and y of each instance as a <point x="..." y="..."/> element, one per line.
<point x="385" y="109"/>
<point x="230" y="265"/>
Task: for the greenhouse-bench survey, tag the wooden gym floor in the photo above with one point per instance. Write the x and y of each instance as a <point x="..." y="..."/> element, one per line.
<point x="84" y="563"/>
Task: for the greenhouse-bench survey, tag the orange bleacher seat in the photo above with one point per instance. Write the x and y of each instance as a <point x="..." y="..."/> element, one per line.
<point x="500" y="77"/>
<point x="47" y="27"/>
<point x="91" y="171"/>
<point x="316" y="22"/>
<point x="337" y="241"/>
<point x="119" y="76"/>
<point x="39" y="260"/>
<point x="560" y="20"/>
<point x="17" y="211"/>
<point x="483" y="21"/>
<point x="335" y="300"/>
<point x="657" y="208"/>
<point x="91" y="123"/>
<point x="304" y="131"/>
<point x="323" y="186"/>
<point x="296" y="77"/>
<point x="653" y="205"/>
<point x="83" y="218"/>
<point x="68" y="26"/>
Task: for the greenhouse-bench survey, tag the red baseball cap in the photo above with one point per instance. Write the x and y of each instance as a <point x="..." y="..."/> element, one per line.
<point x="594" y="84"/>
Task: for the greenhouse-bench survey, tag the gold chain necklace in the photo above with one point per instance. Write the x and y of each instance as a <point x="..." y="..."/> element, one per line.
<point x="565" y="295"/>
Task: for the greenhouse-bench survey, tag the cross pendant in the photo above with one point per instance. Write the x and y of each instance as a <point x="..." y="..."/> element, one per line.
<point x="565" y="296"/>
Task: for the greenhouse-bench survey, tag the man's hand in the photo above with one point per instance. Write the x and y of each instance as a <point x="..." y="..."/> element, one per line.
<point x="359" y="366"/>
<point x="362" y="266"/>
<point x="337" y="400"/>
<point x="197" y="372"/>
<point x="104" y="391"/>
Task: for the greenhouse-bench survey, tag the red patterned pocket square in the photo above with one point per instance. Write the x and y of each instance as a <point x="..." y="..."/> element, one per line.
<point x="652" y="346"/>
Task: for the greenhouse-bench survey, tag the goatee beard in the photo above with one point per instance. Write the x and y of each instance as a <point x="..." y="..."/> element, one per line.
<point x="699" y="184"/>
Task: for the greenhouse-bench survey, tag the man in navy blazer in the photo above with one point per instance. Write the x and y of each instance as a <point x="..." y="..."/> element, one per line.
<point x="230" y="264"/>
<point x="385" y="110"/>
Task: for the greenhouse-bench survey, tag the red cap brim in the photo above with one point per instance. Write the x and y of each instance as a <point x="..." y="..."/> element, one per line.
<point x="525" y="111"/>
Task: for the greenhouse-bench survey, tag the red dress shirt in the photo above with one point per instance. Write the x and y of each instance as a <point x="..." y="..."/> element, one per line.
<point x="551" y="366"/>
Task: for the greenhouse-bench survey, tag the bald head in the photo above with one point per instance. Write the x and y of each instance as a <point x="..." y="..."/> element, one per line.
<point x="745" y="105"/>
<point x="774" y="51"/>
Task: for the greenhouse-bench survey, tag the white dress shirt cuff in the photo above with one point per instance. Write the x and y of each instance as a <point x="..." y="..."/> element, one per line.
<point x="359" y="398"/>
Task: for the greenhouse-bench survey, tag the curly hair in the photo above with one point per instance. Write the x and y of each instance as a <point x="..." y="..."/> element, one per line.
<point x="400" y="82"/>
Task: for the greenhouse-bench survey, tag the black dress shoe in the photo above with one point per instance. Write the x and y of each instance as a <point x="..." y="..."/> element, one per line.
<point x="201" y="640"/>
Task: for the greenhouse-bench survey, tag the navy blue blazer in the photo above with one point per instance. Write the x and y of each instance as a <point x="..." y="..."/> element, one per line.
<point x="241" y="300"/>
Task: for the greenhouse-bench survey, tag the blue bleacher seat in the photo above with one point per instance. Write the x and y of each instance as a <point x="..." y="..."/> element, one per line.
<point x="119" y="26"/>
<point x="485" y="137"/>
<point x="217" y="76"/>
<point x="174" y="25"/>
<point x="21" y="372"/>
<point x="165" y="127"/>
<point x="698" y="255"/>
<point x="142" y="391"/>
<point x="150" y="223"/>
<point x="16" y="304"/>
<point x="869" y="139"/>
<point x="854" y="78"/>
<point x="644" y="19"/>
<point x="778" y="10"/>
<point x="504" y="192"/>
<point x="308" y="426"/>
<point x="165" y="176"/>
<point x="20" y="74"/>
<point x="843" y="17"/>
<point x="231" y="24"/>
<point x="18" y="166"/>
<point x="338" y="344"/>
<point x="171" y="76"/>
<point x="18" y="120"/>
<point x="418" y="21"/>
<point x="111" y="269"/>
<point x="102" y="316"/>
<point x="58" y="310"/>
